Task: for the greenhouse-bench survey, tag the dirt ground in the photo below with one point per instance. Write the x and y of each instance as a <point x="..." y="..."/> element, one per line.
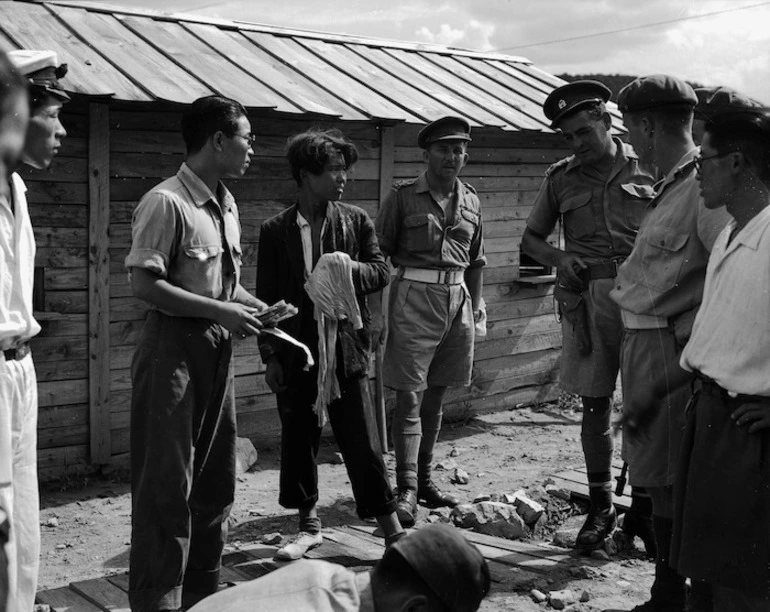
<point x="86" y="522"/>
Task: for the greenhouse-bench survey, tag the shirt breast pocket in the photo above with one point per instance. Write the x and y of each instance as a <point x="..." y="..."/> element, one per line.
<point x="203" y="257"/>
<point x="636" y="198"/>
<point x="465" y="228"/>
<point x="663" y="257"/>
<point x="578" y="216"/>
<point x="422" y="233"/>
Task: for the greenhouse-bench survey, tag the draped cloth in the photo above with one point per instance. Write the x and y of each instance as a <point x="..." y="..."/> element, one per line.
<point x="330" y="287"/>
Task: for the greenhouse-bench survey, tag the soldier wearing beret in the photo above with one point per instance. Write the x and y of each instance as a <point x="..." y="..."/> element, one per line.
<point x="600" y="193"/>
<point x="713" y="100"/>
<point x="659" y="289"/>
<point x="433" y="568"/>
<point x="724" y="538"/>
<point x="18" y="382"/>
<point x="431" y="229"/>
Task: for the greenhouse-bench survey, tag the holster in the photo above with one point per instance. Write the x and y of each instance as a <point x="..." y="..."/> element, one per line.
<point x="572" y="307"/>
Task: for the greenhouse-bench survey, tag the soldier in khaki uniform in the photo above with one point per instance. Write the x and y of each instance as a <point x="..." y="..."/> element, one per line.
<point x="659" y="289"/>
<point x="431" y="229"/>
<point x="600" y="194"/>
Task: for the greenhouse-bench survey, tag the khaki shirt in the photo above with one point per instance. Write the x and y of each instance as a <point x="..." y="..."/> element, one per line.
<point x="601" y="215"/>
<point x="414" y="231"/>
<point x="178" y="234"/>
<point x="665" y="273"/>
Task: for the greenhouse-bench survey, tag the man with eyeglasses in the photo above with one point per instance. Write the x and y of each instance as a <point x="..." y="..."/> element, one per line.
<point x="724" y="538"/>
<point x="659" y="289"/>
<point x="185" y="262"/>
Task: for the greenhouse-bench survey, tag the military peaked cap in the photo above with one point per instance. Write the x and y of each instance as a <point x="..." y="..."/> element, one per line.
<point x="446" y="128"/>
<point x="571" y="97"/>
<point x="42" y="69"/>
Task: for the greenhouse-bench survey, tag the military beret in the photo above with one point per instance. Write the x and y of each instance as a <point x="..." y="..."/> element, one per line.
<point x="446" y="128"/>
<point x="42" y="69"/>
<point x="452" y="567"/>
<point x="738" y="122"/>
<point x="717" y="99"/>
<point x="655" y="91"/>
<point x="572" y="96"/>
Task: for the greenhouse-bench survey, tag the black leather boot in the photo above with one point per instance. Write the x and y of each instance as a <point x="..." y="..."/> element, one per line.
<point x="635" y="524"/>
<point x="430" y="496"/>
<point x="600" y="523"/>
<point x="668" y="592"/>
<point x="407" y="507"/>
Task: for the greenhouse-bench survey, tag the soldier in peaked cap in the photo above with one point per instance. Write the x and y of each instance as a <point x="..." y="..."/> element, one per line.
<point x="659" y="289"/>
<point x="712" y="100"/>
<point x="600" y="194"/>
<point x="18" y="384"/>
<point x="431" y="229"/>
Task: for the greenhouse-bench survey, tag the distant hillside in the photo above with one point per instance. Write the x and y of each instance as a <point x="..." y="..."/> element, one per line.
<point x="615" y="82"/>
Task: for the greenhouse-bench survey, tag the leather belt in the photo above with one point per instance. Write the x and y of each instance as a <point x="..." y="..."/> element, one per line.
<point x="17" y="353"/>
<point x="632" y="320"/>
<point x="711" y="387"/>
<point x="604" y="269"/>
<point x="437" y="277"/>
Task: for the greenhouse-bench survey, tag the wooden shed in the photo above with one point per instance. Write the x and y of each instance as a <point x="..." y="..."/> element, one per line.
<point x="130" y="74"/>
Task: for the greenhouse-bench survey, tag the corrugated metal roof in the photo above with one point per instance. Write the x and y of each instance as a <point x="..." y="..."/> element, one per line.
<point x="143" y="56"/>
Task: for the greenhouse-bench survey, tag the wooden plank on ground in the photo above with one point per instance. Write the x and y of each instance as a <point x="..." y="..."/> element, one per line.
<point x="119" y="580"/>
<point x="103" y="593"/>
<point x="576" y="482"/>
<point x="65" y="599"/>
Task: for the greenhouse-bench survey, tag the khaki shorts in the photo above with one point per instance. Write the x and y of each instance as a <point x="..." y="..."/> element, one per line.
<point x="595" y="374"/>
<point x="430" y="336"/>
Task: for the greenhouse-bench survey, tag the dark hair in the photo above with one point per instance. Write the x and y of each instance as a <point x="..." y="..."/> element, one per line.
<point x="11" y="80"/>
<point x="311" y="150"/>
<point x="207" y="116"/>
<point x="747" y="131"/>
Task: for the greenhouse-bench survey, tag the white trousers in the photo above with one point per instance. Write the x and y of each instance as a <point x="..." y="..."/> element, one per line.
<point x="20" y="499"/>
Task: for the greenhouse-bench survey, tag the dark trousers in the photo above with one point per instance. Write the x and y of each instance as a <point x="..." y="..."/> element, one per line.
<point x="352" y="421"/>
<point x="182" y="460"/>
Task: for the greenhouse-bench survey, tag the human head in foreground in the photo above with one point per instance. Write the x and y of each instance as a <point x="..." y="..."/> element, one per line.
<point x="433" y="569"/>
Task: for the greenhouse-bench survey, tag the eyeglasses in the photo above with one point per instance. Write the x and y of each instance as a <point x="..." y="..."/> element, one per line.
<point x="700" y="159"/>
<point x="250" y="138"/>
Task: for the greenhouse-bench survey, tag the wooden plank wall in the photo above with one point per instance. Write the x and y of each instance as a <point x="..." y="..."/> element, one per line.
<point x="58" y="203"/>
<point x="516" y="363"/>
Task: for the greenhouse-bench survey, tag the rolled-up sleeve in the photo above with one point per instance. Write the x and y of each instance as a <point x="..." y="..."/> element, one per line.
<point x="153" y="234"/>
<point x="476" y="256"/>
<point x="545" y="212"/>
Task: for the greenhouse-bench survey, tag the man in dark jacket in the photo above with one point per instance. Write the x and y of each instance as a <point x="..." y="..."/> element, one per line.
<point x="290" y="246"/>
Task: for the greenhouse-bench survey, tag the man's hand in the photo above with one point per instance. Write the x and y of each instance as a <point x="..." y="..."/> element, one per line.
<point x="274" y="375"/>
<point x="240" y="319"/>
<point x="568" y="267"/>
<point x="755" y="416"/>
<point x="379" y="329"/>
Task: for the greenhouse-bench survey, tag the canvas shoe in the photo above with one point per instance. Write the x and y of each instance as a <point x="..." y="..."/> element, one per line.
<point x="297" y="547"/>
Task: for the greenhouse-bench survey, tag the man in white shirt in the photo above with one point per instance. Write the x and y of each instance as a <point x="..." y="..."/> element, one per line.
<point x="18" y="383"/>
<point x="722" y="490"/>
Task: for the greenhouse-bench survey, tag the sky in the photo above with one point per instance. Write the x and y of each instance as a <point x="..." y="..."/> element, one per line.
<point x="730" y="47"/>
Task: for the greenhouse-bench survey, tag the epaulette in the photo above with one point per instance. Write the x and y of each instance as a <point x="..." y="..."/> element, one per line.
<point x="553" y="167"/>
<point x="403" y="183"/>
<point x="469" y="187"/>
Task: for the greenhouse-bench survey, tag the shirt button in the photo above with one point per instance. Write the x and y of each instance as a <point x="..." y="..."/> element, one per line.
<point x="618" y="287"/>
<point x="662" y="243"/>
